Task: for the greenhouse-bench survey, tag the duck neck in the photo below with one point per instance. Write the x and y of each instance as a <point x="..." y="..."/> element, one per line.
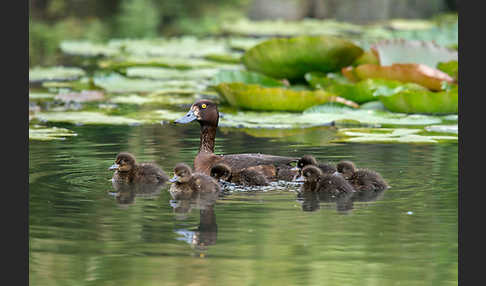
<point x="208" y="134"/>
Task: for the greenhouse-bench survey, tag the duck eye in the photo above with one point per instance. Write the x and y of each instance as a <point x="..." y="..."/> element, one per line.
<point x="203" y="105"/>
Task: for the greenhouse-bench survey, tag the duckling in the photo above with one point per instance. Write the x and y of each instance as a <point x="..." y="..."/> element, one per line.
<point x="247" y="177"/>
<point x="187" y="184"/>
<point x="128" y="171"/>
<point x="307" y="160"/>
<point x="316" y="181"/>
<point x="361" y="179"/>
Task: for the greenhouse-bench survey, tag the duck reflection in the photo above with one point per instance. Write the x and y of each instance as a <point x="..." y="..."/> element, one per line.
<point x="206" y="233"/>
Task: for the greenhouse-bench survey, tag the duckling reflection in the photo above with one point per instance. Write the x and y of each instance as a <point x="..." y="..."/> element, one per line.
<point x="309" y="201"/>
<point x="125" y="194"/>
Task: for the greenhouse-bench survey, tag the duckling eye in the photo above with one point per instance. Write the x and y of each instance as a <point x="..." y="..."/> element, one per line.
<point x="203" y="105"/>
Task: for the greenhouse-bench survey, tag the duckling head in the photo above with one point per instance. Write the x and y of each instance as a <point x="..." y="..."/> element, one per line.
<point x="221" y="172"/>
<point x="124" y="162"/>
<point x="310" y="174"/>
<point x="182" y="173"/>
<point x="346" y="168"/>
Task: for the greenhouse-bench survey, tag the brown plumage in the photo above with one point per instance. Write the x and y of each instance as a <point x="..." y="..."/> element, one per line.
<point x="361" y="179"/>
<point x="307" y="160"/>
<point x="186" y="184"/>
<point x="129" y="171"/>
<point x="316" y="181"/>
<point x="206" y="113"/>
<point x="251" y="176"/>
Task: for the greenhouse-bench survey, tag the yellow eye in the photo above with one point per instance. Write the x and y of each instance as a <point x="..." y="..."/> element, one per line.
<point x="203" y="105"/>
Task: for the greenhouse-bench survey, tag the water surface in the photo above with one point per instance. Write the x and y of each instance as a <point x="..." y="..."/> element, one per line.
<point x="80" y="233"/>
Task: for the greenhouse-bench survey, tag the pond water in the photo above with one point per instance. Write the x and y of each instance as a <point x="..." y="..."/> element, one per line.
<point x="80" y="233"/>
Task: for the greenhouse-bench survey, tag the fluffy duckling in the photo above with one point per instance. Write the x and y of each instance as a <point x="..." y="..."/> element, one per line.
<point x="307" y="160"/>
<point x="247" y="177"/>
<point x="186" y="184"/>
<point x="361" y="179"/>
<point x="127" y="170"/>
<point x="316" y="181"/>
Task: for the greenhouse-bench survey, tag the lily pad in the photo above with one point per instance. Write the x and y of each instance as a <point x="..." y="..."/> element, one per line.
<point x="153" y="99"/>
<point x="400" y="51"/>
<point x="87" y="49"/>
<point x="42" y="133"/>
<point x="256" y="97"/>
<point x="291" y="58"/>
<point x="243" y="76"/>
<point x="443" y="128"/>
<point x="388" y="135"/>
<point x="41" y="95"/>
<point x="115" y="83"/>
<point x="86" y="117"/>
<point x="451" y="68"/>
<point x="84" y="96"/>
<point x="233" y="58"/>
<point x="416" y="73"/>
<point x="144" y="61"/>
<point x="166" y="73"/>
<point x="406" y="100"/>
<point x="57" y="73"/>
<point x="360" y="92"/>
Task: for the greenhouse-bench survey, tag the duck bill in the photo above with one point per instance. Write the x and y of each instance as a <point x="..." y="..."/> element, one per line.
<point x="336" y="173"/>
<point x="299" y="179"/>
<point x="114" y="167"/>
<point x="174" y="179"/>
<point x="190" y="116"/>
<point x="295" y="169"/>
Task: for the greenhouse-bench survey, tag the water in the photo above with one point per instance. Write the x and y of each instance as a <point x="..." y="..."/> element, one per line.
<point x="82" y="234"/>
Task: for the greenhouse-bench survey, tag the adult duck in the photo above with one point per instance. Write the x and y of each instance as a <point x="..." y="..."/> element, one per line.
<point x="206" y="113"/>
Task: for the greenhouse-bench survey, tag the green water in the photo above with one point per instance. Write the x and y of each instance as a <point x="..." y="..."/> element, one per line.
<point x="80" y="234"/>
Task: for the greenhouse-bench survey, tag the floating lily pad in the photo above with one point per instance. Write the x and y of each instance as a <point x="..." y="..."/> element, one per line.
<point x="42" y="133"/>
<point x="256" y="97"/>
<point x="291" y="58"/>
<point x="360" y="92"/>
<point x="399" y="51"/>
<point x="451" y="68"/>
<point x="57" y="73"/>
<point x="166" y="73"/>
<point x="443" y="128"/>
<point x="388" y="135"/>
<point x="243" y="76"/>
<point x="143" y="61"/>
<point x="244" y="43"/>
<point x="234" y="58"/>
<point x="406" y="100"/>
<point x="41" y="95"/>
<point x="84" y="96"/>
<point x="86" y="117"/>
<point x="87" y="49"/>
<point x="115" y="83"/>
<point x="416" y="73"/>
<point x="153" y="99"/>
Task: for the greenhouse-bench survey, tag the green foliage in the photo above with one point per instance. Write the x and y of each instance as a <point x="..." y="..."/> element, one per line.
<point x="450" y="67"/>
<point x="137" y="19"/>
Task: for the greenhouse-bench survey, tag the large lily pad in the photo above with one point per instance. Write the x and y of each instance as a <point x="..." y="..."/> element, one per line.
<point x="451" y="68"/>
<point x="87" y="49"/>
<point x="167" y="73"/>
<point x="408" y="100"/>
<point x="115" y="83"/>
<point x="291" y="58"/>
<point x="256" y="97"/>
<point x="399" y="51"/>
<point x="416" y="73"/>
<point x="389" y="135"/>
<point x="43" y="133"/>
<point x="56" y="73"/>
<point x="86" y="117"/>
<point x="360" y="92"/>
<point x="243" y="76"/>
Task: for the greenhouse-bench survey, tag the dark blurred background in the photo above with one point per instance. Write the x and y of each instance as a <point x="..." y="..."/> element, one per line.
<point x="51" y="21"/>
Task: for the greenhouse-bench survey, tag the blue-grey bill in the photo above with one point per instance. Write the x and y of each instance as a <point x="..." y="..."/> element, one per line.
<point x="113" y="167"/>
<point x="174" y="179"/>
<point x="299" y="179"/>
<point x="190" y="116"/>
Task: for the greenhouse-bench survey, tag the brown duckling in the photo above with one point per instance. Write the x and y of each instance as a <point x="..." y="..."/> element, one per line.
<point x="307" y="160"/>
<point x="129" y="171"/>
<point x="246" y="177"/>
<point x="207" y="114"/>
<point x="316" y="181"/>
<point x="361" y="179"/>
<point x="187" y="184"/>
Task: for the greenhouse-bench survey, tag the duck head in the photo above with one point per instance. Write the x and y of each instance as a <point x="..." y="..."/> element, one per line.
<point x="204" y="111"/>
<point x="182" y="173"/>
<point x="221" y="172"/>
<point x="346" y="168"/>
<point x="310" y="174"/>
<point x="124" y="162"/>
